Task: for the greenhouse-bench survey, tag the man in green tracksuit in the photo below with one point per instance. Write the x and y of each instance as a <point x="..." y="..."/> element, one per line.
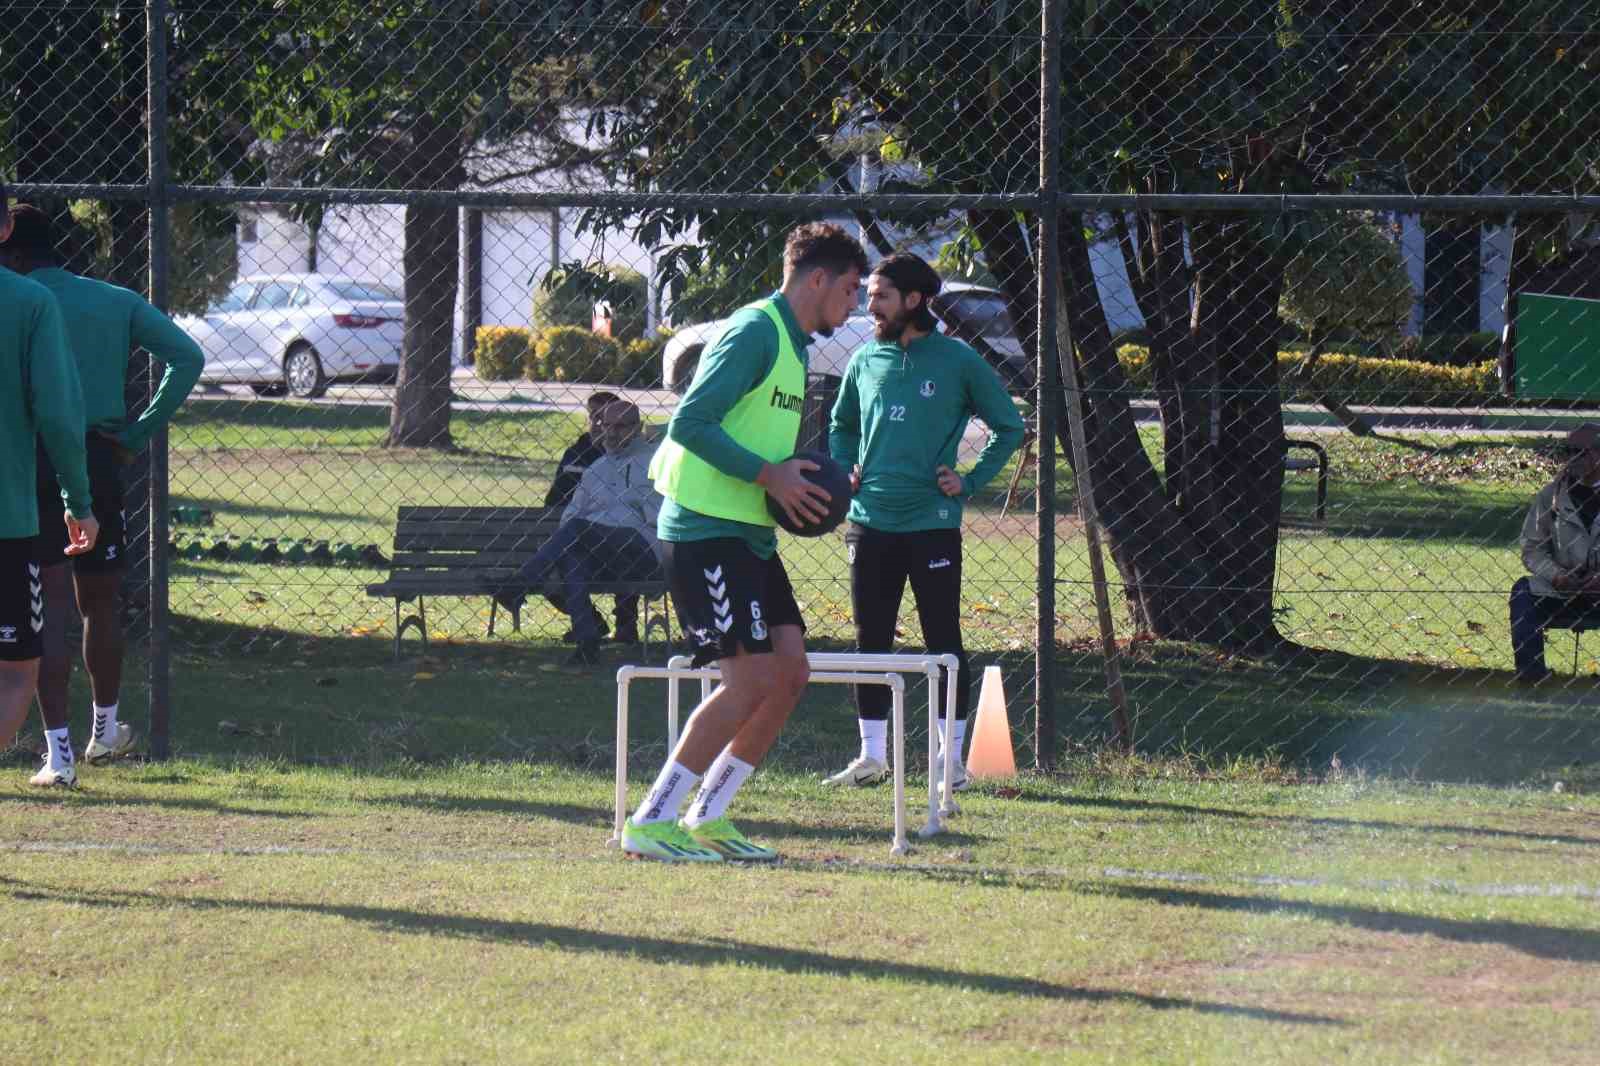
<point x="104" y="325"/>
<point x="726" y="452"/>
<point x="902" y="410"/>
<point x="39" y="402"/>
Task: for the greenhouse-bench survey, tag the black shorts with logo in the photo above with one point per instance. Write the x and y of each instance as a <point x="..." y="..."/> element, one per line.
<point x="727" y="596"/>
<point x="105" y="458"/>
<point x="21" y="601"/>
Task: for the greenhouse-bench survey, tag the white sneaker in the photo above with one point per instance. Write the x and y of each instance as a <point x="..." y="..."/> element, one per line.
<point x="98" y="751"/>
<point x="862" y="772"/>
<point x="50" y="777"/>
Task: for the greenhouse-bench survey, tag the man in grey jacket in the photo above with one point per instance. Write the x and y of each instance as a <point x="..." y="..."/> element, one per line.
<point x="1561" y="549"/>
<point x="607" y="532"/>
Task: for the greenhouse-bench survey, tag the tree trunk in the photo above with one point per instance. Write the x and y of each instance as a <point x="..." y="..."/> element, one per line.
<point x="1196" y="564"/>
<point x="421" y="414"/>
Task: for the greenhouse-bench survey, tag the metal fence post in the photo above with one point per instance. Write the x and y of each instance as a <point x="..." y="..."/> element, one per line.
<point x="1044" y="738"/>
<point x="160" y="265"/>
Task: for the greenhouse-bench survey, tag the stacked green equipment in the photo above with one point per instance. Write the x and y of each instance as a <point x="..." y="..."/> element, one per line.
<point x="1557" y="348"/>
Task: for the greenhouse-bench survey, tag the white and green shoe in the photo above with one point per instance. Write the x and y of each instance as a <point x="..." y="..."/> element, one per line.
<point x="723" y="837"/>
<point x="665" y="841"/>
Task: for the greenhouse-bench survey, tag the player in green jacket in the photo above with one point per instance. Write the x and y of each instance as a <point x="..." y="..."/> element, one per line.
<point x="902" y="410"/>
<point x="727" y="451"/>
<point x="39" y="403"/>
<point x="104" y="325"/>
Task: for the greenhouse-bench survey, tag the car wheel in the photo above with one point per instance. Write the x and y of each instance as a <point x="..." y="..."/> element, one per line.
<point x="302" y="373"/>
<point x="270" y="388"/>
<point x="685" y="370"/>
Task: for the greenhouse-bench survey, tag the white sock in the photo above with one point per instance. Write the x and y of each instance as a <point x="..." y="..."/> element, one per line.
<point x="721" y="785"/>
<point x="961" y="738"/>
<point x="105" y="722"/>
<point x="874" y="738"/>
<point x="58" y="748"/>
<point x="666" y="796"/>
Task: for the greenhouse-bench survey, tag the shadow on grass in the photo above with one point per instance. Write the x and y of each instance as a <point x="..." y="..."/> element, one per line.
<point x="1310" y="706"/>
<point x="712" y="952"/>
<point x="1562" y="943"/>
<point x="83" y="796"/>
<point x="1137" y="806"/>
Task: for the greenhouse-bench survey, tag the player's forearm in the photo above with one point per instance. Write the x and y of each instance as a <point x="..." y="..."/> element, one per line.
<point x="1002" y="443"/>
<point x="183" y="361"/>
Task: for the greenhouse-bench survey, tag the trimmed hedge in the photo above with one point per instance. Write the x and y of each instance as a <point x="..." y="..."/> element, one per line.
<point x="569" y="353"/>
<point x="502" y="353"/>
<point x="1359" y="379"/>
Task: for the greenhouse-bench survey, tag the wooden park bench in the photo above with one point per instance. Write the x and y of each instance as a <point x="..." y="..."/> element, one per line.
<point x="461" y="551"/>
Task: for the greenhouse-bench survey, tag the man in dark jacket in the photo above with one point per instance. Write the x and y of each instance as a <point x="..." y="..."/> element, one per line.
<point x="574" y="461"/>
<point x="1561" y="549"/>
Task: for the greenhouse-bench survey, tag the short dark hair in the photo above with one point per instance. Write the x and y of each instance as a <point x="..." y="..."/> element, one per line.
<point x="31" y="233"/>
<point x="5" y="201"/>
<point x="822" y="246"/>
<point x="598" y="400"/>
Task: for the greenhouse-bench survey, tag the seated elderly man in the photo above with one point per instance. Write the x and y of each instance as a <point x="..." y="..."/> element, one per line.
<point x="607" y="532"/>
<point x="1561" y="549"/>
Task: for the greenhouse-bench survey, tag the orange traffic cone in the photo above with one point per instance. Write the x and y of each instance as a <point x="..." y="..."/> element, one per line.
<point x="990" y="753"/>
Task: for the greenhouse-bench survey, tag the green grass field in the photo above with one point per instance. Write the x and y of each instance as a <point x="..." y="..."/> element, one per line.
<point x="1381" y="852"/>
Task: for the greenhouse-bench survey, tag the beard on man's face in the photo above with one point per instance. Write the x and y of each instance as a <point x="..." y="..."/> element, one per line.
<point x="891" y="328"/>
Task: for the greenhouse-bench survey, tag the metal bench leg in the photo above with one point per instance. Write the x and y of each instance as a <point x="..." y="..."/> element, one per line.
<point x="418" y="621"/>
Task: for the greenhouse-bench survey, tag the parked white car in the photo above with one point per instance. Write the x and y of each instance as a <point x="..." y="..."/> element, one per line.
<point x="971" y="313"/>
<point x="297" y="333"/>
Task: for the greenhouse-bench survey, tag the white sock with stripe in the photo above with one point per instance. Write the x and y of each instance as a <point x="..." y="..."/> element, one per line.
<point x="666" y="796"/>
<point x="721" y="785"/>
<point x="960" y="735"/>
<point x="105" y="722"/>
<point x="874" y="738"/>
<point x="58" y="748"/>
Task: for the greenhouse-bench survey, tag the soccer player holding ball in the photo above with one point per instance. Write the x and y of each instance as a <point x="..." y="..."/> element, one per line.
<point x="727" y="450"/>
<point x="902" y="410"/>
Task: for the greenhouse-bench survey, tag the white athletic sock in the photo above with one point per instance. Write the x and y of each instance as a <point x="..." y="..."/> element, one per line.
<point x="721" y="785"/>
<point x="105" y="722"/>
<point x="666" y="796"/>
<point x="960" y="735"/>
<point x="58" y="748"/>
<point x="874" y="738"/>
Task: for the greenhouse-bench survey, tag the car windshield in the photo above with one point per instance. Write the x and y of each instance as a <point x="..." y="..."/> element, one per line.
<point x="986" y="316"/>
<point x="236" y="299"/>
<point x="363" y="290"/>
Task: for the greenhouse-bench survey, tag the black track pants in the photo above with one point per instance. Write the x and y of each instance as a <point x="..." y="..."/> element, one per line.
<point x="880" y="564"/>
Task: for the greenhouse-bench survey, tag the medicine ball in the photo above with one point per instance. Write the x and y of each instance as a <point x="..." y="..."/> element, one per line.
<point x="832" y="478"/>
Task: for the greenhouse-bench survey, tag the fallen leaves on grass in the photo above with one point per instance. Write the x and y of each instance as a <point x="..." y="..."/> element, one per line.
<point x="237" y="729"/>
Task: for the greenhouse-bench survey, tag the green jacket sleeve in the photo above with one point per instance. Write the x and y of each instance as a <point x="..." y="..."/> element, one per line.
<point x="844" y="424"/>
<point x="992" y="403"/>
<point x="56" y="400"/>
<point x="177" y="351"/>
<point x="731" y="367"/>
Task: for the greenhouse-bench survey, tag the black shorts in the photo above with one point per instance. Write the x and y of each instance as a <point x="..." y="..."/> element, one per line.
<point x="105" y="490"/>
<point x="728" y="597"/>
<point x="21" y="601"/>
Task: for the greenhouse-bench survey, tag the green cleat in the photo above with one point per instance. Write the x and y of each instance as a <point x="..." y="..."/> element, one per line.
<point x="664" y="841"/>
<point x="722" y="836"/>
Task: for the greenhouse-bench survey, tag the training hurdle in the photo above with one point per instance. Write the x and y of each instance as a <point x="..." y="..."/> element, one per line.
<point x="826" y="668"/>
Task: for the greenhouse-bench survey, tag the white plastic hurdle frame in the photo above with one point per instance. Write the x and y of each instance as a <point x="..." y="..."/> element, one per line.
<point x="826" y="668"/>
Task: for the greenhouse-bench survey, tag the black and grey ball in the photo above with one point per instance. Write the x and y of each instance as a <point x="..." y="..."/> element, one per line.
<point x="834" y="479"/>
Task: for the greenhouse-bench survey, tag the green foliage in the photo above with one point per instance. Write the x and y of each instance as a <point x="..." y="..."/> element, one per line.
<point x="1359" y="379"/>
<point x="638" y="364"/>
<point x="567" y="295"/>
<point x="204" y="251"/>
<point x="503" y="353"/>
<point x="569" y="353"/>
<point x="1451" y="349"/>
<point x="1347" y="276"/>
<point x="713" y="291"/>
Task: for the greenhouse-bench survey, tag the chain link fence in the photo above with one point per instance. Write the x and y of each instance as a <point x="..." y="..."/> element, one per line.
<point x="1321" y="282"/>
